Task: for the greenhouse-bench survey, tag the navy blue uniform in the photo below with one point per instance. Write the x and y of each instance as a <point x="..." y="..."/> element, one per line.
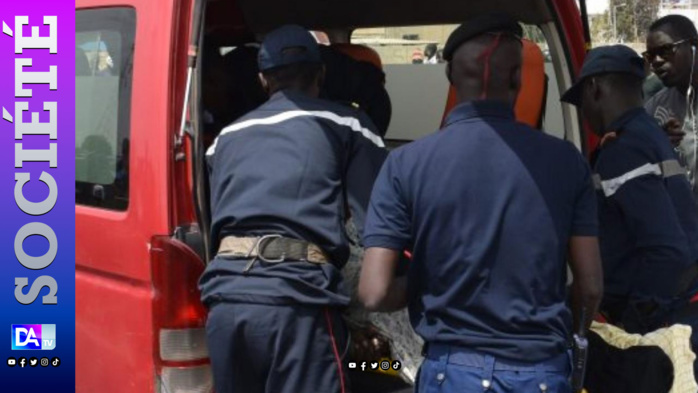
<point x="649" y="224"/>
<point x="291" y="167"/>
<point x="488" y="206"/>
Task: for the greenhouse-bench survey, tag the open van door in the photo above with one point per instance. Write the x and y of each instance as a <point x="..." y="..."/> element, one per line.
<point x="189" y="146"/>
<point x="139" y="319"/>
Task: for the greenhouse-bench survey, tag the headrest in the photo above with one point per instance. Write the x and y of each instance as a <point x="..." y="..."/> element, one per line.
<point x="82" y="66"/>
<point x="360" y="53"/>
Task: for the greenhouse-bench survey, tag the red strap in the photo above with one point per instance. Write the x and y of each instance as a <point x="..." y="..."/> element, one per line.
<point x="485" y="56"/>
<point x="694" y="299"/>
<point x="337" y="358"/>
<point x="609" y="136"/>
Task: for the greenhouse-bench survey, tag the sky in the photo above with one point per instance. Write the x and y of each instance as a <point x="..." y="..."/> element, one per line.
<point x="597" y="6"/>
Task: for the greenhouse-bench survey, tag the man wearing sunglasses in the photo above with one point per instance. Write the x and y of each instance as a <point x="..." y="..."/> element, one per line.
<point x="671" y="53"/>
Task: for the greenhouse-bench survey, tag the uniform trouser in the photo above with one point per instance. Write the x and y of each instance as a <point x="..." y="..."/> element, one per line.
<point x="451" y="369"/>
<point x="256" y="348"/>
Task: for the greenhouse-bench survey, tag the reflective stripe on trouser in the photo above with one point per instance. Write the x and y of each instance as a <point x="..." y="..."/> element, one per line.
<point x="451" y="369"/>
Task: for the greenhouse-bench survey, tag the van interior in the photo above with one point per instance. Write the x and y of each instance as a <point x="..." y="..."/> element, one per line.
<point x="390" y="34"/>
<point x="393" y="29"/>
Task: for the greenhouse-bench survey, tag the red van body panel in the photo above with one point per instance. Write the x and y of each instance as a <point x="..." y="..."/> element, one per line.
<point x="115" y="338"/>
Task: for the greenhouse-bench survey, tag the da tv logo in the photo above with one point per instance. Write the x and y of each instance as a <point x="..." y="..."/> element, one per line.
<point x="33" y="337"/>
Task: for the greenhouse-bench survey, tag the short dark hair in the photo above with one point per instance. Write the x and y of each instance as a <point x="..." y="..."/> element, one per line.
<point x="678" y="24"/>
<point x="430" y="48"/>
<point x="299" y="76"/>
<point x="622" y="83"/>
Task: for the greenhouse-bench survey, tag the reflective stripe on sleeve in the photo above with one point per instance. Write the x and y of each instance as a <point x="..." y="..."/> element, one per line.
<point x="664" y="169"/>
<point x="347" y="121"/>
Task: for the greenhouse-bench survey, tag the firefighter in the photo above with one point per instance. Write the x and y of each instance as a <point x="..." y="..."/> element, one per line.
<point x="281" y="177"/>
<point x="648" y="220"/>
<point x="490" y="208"/>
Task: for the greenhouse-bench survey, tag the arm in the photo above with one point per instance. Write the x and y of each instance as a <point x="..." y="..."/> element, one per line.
<point x="388" y="232"/>
<point x="379" y="289"/>
<point x="584" y="254"/>
<point x="661" y="244"/>
<point x="674" y="130"/>
<point x="666" y="118"/>
<point x="587" y="287"/>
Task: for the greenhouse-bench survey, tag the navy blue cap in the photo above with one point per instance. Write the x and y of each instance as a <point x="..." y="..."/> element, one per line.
<point x="289" y="44"/>
<point x="497" y="22"/>
<point x="614" y="59"/>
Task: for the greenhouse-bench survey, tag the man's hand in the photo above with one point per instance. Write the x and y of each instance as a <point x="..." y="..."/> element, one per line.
<point x="368" y="343"/>
<point x="673" y="129"/>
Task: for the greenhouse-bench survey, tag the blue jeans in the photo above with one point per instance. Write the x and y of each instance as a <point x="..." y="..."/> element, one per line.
<point x="452" y="369"/>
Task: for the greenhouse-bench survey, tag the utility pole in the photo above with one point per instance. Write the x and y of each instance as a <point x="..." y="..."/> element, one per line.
<point x="615" y="26"/>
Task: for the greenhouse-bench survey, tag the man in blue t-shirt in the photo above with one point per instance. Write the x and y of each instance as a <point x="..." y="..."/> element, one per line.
<point x="490" y="209"/>
<point x="648" y="220"/>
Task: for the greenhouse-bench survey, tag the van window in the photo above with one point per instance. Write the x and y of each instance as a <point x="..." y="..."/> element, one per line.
<point x="416" y="81"/>
<point x="104" y="40"/>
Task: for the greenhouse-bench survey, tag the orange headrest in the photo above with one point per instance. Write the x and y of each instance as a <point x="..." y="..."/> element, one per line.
<point x="360" y="53"/>
<point x="529" y="103"/>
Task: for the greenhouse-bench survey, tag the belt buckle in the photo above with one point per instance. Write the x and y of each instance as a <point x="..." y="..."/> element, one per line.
<point x="260" y="245"/>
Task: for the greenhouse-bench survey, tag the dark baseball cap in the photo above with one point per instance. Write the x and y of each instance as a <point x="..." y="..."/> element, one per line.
<point x="289" y="44"/>
<point x="613" y="59"/>
<point x="498" y="22"/>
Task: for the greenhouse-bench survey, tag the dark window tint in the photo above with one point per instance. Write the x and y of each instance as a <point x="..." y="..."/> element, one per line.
<point x="104" y="40"/>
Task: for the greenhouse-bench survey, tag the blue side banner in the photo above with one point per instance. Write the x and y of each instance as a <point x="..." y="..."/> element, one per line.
<point x="37" y="179"/>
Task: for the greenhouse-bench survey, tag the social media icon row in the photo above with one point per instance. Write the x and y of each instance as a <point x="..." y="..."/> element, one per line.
<point x="33" y="362"/>
<point x="384" y="365"/>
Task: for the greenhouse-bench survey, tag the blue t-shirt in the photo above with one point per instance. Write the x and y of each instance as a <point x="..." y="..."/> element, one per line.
<point x="649" y="224"/>
<point x="488" y="206"/>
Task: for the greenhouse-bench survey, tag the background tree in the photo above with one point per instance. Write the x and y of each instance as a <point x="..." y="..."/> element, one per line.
<point x="533" y="33"/>
<point x="633" y="19"/>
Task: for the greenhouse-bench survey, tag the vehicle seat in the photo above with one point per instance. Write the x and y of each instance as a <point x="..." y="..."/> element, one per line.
<point x="360" y="53"/>
<point x="530" y="104"/>
<point x="82" y="66"/>
<point x="354" y="73"/>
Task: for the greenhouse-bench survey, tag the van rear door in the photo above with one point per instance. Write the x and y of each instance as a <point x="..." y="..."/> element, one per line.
<point x="123" y="154"/>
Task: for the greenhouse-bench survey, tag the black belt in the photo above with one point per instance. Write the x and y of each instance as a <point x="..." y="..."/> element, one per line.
<point x="271" y="249"/>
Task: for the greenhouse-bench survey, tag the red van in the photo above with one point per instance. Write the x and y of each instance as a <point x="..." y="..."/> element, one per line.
<point x="141" y="208"/>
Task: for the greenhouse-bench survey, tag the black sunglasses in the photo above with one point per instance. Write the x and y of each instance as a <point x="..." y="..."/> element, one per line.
<point x="665" y="51"/>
